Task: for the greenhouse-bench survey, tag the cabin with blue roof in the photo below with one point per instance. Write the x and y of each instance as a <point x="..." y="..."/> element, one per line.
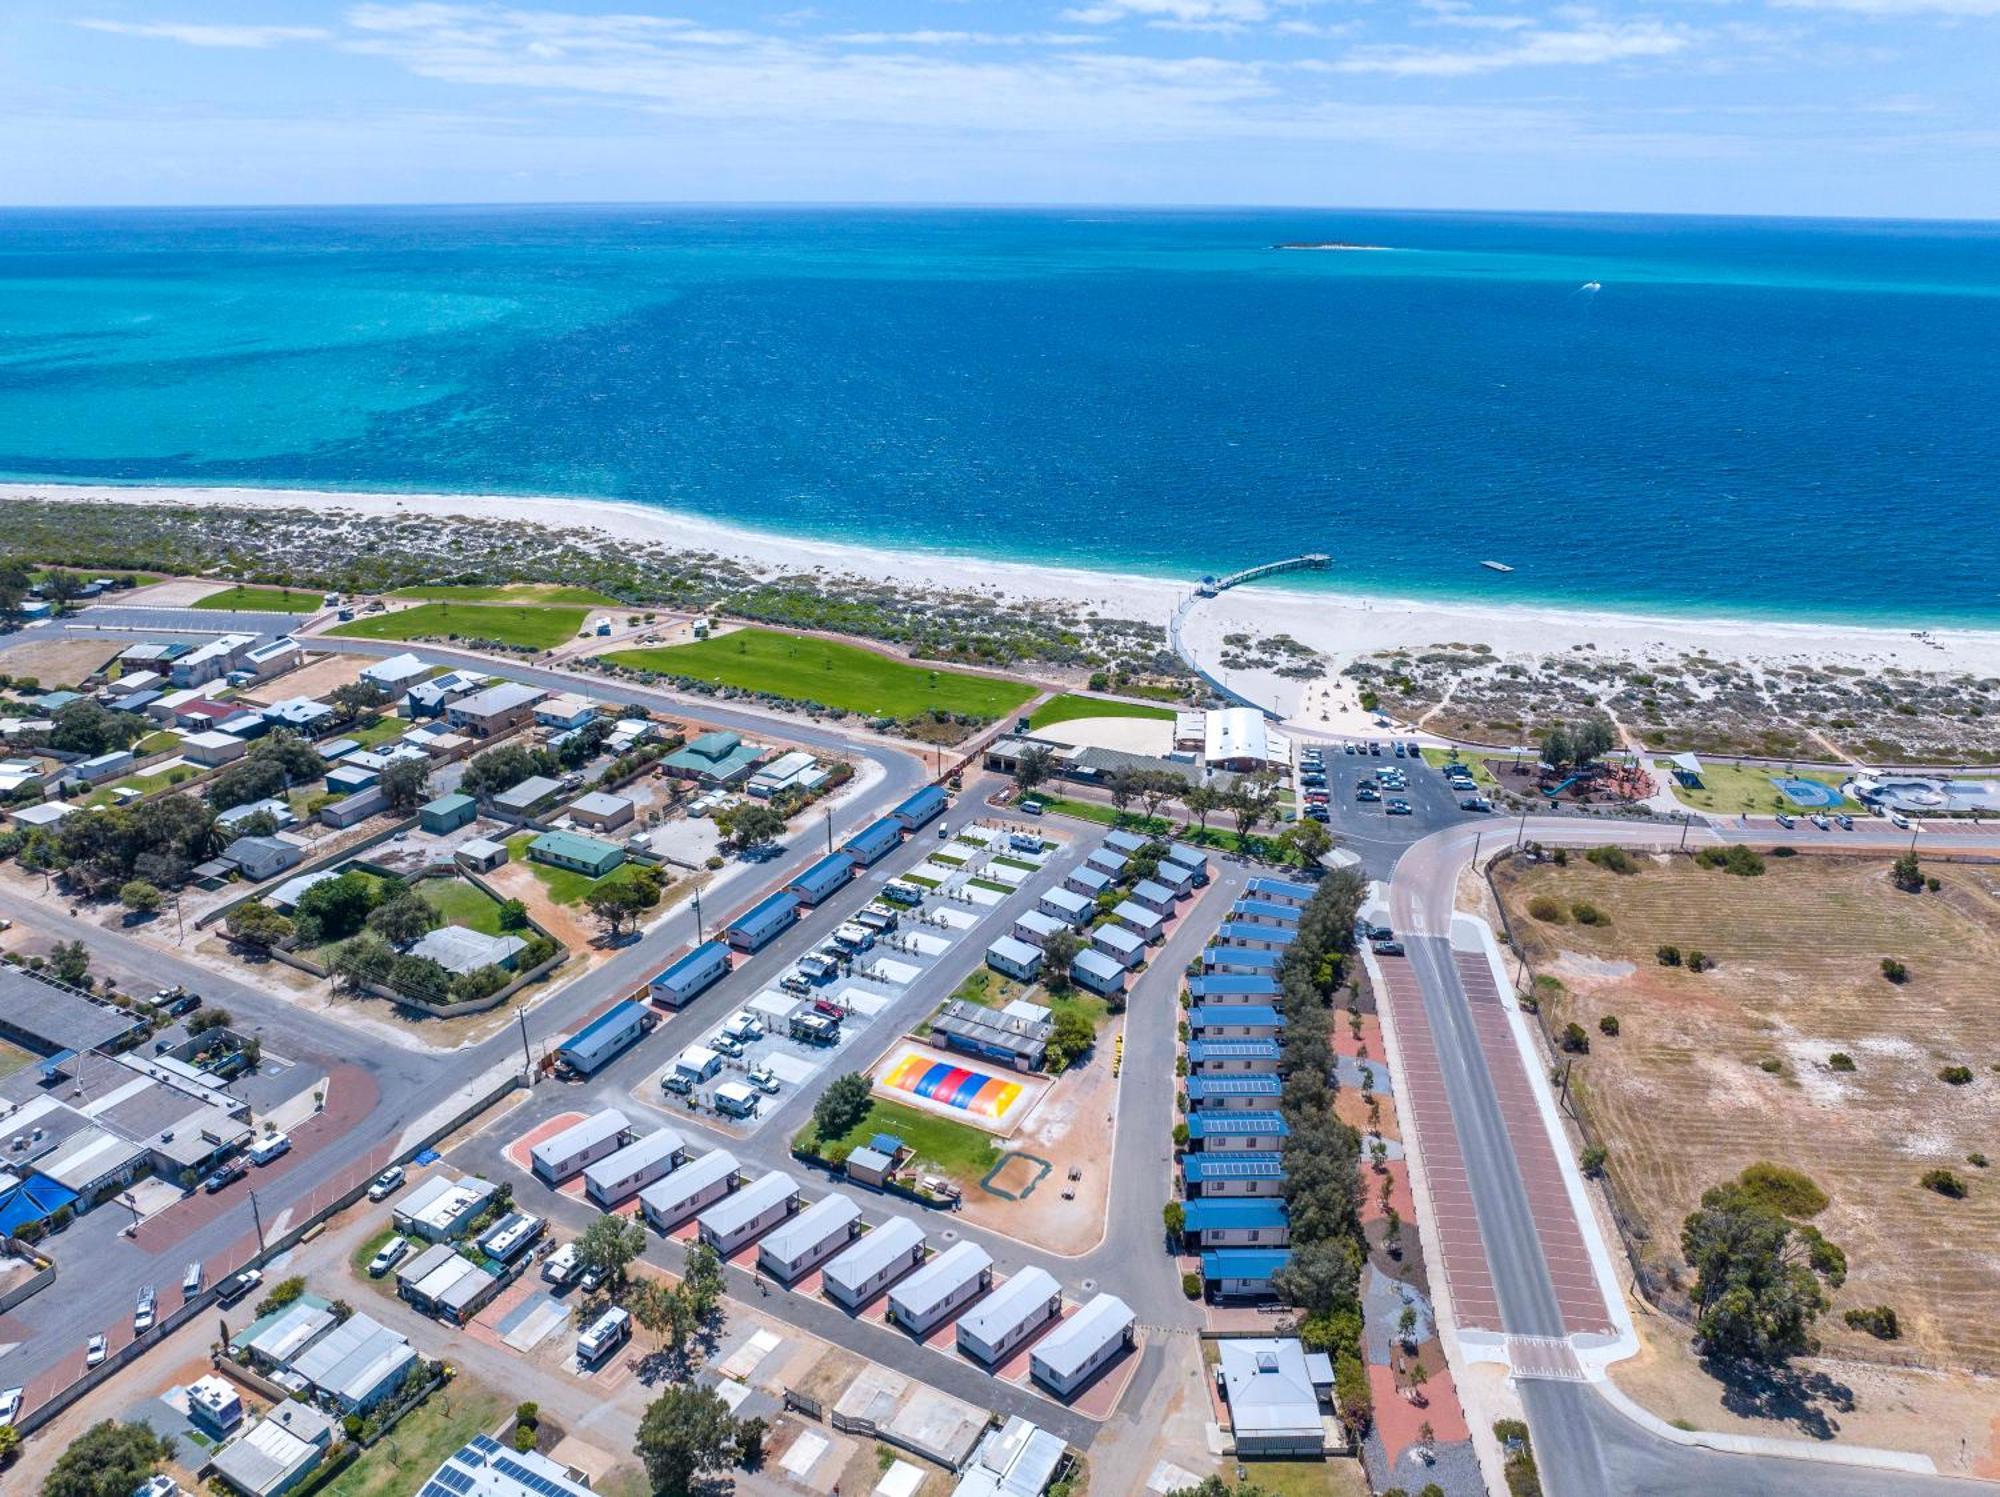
<point x="1233" y="987"/>
<point x="1236" y="1021"/>
<point x="1222" y="1132"/>
<point x="1242" y="1221"/>
<point x="1255" y="1089"/>
<point x="1233" y="1174"/>
<point x="1241" y="1273"/>
<point x="874" y="842"/>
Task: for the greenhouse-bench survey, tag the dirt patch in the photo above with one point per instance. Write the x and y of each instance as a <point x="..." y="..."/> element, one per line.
<point x="317" y="677"/>
<point x="60" y="662"/>
<point x="1713" y="1071"/>
<point x="1953" y="1418"/>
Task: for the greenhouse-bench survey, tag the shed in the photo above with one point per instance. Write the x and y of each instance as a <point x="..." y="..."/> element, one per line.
<point x="1075" y="1351"/>
<point x="1019" y="1040"/>
<point x="1189" y="856"/>
<point x="669" y="1202"/>
<point x="481" y="854"/>
<point x="520" y="799"/>
<point x="758" y="925"/>
<point x="874" y="842"/>
<point x="1022" y="1305"/>
<point x="1266" y="937"/>
<point x="1013" y="958"/>
<point x="942" y="1287"/>
<point x="749" y="1213"/>
<point x="876" y="1261"/>
<point x="447" y="813"/>
<point x="826" y="877"/>
<point x="357" y="1364"/>
<point x="1108" y="861"/>
<point x="798" y="1246"/>
<point x="690" y="975"/>
<point x="213" y="747"/>
<point x="601" y="811"/>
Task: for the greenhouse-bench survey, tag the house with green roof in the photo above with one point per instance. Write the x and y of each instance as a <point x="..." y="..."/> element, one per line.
<point x="719" y="758"/>
<point x="576" y="852"/>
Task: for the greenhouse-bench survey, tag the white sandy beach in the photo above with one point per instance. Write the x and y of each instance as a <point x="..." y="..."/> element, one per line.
<point x="1339" y="625"/>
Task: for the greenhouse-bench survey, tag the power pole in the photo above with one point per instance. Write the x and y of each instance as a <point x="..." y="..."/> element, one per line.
<point x="829" y="828"/>
<point x="257" y="1217"/>
<point x="527" y="1055"/>
<point x="1521" y="832"/>
<point x="698" y="936"/>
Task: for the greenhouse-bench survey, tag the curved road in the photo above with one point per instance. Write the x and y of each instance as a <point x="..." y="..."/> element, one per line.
<point x="1585" y="1446"/>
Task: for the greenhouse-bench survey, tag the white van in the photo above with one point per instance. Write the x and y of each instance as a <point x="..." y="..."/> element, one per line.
<point x="266" y="1149"/>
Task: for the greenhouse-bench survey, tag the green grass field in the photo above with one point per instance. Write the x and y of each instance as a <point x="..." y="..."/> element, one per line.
<point x="264" y="600"/>
<point x="512" y="592"/>
<point x="382" y="730"/>
<point x="956" y="1149"/>
<point x="1731" y="790"/>
<point x="461" y="903"/>
<point x="834" y="675"/>
<point x="145" y="784"/>
<point x="534" y="627"/>
<point x="1482" y="776"/>
<point x="155" y="743"/>
<point x="443" y="1422"/>
<point x="1067" y="708"/>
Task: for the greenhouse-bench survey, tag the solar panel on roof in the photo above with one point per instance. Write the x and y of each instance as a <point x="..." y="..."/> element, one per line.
<point x="1223" y="1169"/>
<point x="529" y="1479"/>
<point x="485" y="1444"/>
<point x="432" y="1489"/>
<point x="459" y="1481"/>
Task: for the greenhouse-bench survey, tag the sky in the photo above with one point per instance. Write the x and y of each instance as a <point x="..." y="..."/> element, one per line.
<point x="1844" y="108"/>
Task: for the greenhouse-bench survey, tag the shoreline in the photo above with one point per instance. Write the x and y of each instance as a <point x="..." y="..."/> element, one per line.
<point x="1342" y="625"/>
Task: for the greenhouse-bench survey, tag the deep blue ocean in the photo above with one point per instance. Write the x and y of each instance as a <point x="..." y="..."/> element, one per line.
<point x="1743" y="416"/>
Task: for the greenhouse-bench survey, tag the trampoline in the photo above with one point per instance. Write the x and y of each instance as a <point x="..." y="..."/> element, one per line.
<point x="1806" y="792"/>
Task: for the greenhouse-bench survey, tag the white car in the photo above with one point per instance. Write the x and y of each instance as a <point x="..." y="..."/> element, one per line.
<point x="761" y="1078"/>
<point x="392" y="1251"/>
<point x="386" y="1183"/>
<point x="1900" y="820"/>
<point x="10" y="1405"/>
<point x="722" y="1044"/>
<point x="94" y="1352"/>
<point x="142" y="1314"/>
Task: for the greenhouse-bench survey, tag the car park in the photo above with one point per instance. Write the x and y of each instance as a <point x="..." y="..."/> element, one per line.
<point x="391" y="1253"/>
<point x="95" y="1350"/>
<point x="386" y="1183"/>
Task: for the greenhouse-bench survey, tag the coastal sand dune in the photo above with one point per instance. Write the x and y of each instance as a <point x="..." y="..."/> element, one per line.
<point x="1341" y="626"/>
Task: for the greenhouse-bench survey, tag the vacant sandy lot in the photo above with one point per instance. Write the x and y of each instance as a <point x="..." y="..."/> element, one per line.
<point x="318" y="676"/>
<point x="1684" y="1100"/>
<point x="57" y="662"/>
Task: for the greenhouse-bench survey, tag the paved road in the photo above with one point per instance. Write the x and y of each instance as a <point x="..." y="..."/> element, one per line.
<point x="1585" y="1445"/>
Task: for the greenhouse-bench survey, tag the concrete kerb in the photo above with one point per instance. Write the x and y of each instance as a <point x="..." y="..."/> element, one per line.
<point x="1471" y="933"/>
<point x="1865" y="1456"/>
<point x="1460" y="1348"/>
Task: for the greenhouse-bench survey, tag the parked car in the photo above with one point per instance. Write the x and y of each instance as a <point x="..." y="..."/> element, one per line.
<point x="224" y="1176"/>
<point x="391" y="1253"/>
<point x="1845" y="822"/>
<point x="143" y="1312"/>
<point x="762" y="1078"/>
<point x="1399" y="808"/>
<point x="10" y="1405"/>
<point x="386" y="1183"/>
<point x="1388" y="948"/>
<point x="237" y="1285"/>
<point x="1900" y="820"/>
<point x="676" y="1083"/>
<point x="722" y="1044"/>
<point x="1820" y="821"/>
<point x="191" y="1281"/>
<point x="1367" y="792"/>
<point x="592" y="1277"/>
<point x="1318" y="813"/>
<point x="95" y="1350"/>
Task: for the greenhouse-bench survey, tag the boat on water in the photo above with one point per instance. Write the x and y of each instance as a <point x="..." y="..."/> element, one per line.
<point x="1496" y="566"/>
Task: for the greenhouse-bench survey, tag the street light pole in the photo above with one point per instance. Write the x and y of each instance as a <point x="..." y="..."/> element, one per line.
<point x="698" y="936"/>
<point x="829" y="828"/>
<point x="257" y="1217"/>
<point x="1521" y="832"/>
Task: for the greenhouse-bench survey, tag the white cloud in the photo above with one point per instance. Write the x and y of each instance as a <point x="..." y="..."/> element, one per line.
<point x="1183" y="15"/>
<point x="196" y="34"/>
<point x="1962" y="8"/>
<point x="1586" y="45"/>
<point x="963" y="39"/>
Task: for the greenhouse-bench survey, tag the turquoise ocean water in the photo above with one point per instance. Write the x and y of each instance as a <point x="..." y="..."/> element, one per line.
<point x="1745" y="417"/>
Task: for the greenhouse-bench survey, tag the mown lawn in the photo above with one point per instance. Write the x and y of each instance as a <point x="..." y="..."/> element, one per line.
<point x="398" y="1465"/>
<point x="511" y="592"/>
<point x="155" y="743"/>
<point x="1068" y="707"/>
<point x="832" y="674"/>
<point x="461" y="903"/>
<point x="956" y="1149"/>
<point x="264" y="600"/>
<point x="382" y="730"/>
<point x="145" y="784"/>
<point x="533" y="627"/>
<point x="1732" y="790"/>
<point x="1482" y="773"/>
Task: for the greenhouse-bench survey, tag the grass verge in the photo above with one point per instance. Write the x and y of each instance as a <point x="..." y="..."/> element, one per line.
<point x="1069" y="707"/>
<point x="263" y="600"/>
